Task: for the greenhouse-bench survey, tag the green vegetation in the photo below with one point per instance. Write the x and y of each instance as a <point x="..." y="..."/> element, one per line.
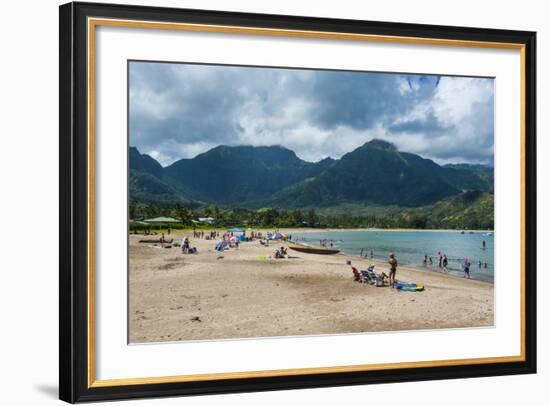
<point x="274" y="176"/>
<point x="468" y="210"/>
<point x="373" y="186"/>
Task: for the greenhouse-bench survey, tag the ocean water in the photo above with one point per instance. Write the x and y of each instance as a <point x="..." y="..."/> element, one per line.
<point x="410" y="247"/>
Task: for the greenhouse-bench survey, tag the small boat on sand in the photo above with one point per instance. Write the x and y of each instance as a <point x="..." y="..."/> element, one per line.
<point x="157" y="241"/>
<point x="314" y="250"/>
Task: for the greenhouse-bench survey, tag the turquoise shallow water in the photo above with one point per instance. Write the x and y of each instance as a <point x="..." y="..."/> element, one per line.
<point x="411" y="246"/>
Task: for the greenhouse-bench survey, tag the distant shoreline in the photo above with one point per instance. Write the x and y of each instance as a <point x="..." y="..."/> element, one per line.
<point x="442" y="230"/>
<point x="288" y="230"/>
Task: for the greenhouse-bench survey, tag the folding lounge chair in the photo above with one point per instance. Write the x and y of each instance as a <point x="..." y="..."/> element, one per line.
<point x="377" y="279"/>
<point x="356" y="275"/>
<point x="365" y="278"/>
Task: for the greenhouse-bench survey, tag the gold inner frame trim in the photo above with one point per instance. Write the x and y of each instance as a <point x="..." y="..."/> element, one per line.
<point x="94" y="22"/>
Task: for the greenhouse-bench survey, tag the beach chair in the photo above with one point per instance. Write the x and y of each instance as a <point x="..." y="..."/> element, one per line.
<point x="367" y="277"/>
<point x="356" y="275"/>
<point x="377" y="279"/>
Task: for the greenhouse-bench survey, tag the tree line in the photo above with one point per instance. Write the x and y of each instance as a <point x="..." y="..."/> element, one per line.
<point x="271" y="217"/>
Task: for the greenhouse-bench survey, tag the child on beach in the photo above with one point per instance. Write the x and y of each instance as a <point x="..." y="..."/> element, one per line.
<point x="393" y="269"/>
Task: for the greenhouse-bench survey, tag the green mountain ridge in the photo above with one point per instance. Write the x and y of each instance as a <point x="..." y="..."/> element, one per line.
<point x="378" y="173"/>
<point x="233" y="175"/>
<point x="375" y="174"/>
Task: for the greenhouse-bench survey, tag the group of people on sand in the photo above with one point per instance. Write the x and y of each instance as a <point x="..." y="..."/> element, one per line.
<point x="186" y="247"/>
<point x="185" y="244"/>
<point x="209" y="236"/>
<point x="280" y="253"/>
<point x="256" y="235"/>
<point x="392" y="261"/>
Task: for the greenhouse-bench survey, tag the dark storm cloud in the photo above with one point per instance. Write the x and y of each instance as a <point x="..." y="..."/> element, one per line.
<point x="428" y="125"/>
<point x="181" y="110"/>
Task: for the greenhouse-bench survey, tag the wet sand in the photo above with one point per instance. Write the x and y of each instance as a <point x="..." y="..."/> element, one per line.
<point x="174" y="296"/>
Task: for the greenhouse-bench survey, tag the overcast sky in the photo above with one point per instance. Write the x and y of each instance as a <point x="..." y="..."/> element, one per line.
<point x="178" y="111"/>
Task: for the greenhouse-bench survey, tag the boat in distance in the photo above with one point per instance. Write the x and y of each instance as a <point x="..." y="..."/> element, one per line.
<point x="314" y="250"/>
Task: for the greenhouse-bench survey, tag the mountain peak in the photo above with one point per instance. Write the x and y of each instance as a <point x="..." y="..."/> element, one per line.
<point x="270" y="153"/>
<point x="143" y="162"/>
<point x="380" y="144"/>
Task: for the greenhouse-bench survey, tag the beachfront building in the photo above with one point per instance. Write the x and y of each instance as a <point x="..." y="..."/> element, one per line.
<point x="207" y="220"/>
<point x="162" y="220"/>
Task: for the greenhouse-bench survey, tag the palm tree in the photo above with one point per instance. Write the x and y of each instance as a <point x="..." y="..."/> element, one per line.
<point x="183" y="214"/>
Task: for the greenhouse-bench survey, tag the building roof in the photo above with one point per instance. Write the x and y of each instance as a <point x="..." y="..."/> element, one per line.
<point x="161" y="220"/>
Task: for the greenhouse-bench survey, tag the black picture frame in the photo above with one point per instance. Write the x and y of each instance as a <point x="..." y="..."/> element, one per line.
<point x="74" y="199"/>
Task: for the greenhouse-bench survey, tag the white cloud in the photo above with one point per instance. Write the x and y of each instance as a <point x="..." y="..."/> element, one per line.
<point x="178" y="111"/>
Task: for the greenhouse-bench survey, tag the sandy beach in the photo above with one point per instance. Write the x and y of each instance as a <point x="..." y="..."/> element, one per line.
<point x="243" y="293"/>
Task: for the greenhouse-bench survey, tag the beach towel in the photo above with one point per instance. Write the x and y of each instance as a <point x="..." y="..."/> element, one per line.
<point x="409" y="287"/>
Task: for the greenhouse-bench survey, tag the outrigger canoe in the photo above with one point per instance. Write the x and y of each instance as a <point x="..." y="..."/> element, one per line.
<point x="314" y="250"/>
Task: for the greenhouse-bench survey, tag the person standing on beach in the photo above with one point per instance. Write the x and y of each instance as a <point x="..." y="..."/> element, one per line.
<point x="185" y="246"/>
<point x="393" y="269"/>
<point x="440" y="257"/>
<point x="466" y="268"/>
<point x="445" y="263"/>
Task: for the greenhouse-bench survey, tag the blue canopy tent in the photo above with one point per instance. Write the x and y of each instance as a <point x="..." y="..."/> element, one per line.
<point x="236" y="231"/>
